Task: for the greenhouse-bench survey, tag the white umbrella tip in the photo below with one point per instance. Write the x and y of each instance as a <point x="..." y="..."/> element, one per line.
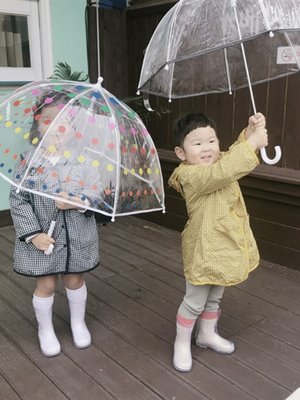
<point x="100" y="80"/>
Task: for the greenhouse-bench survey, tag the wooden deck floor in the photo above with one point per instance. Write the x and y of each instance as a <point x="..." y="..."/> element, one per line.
<point x="133" y="299"/>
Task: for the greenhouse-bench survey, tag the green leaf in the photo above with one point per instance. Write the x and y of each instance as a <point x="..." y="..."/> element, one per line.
<point x="62" y="70"/>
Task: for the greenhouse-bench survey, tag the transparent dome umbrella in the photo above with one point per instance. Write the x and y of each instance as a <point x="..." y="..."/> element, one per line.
<point x="90" y="146"/>
<point x="204" y="46"/>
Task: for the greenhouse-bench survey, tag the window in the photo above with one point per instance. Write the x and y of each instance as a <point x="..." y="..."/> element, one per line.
<point x="21" y="54"/>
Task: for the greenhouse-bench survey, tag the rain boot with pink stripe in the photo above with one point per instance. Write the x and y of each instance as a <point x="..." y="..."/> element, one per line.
<point x="182" y="358"/>
<point x="207" y="334"/>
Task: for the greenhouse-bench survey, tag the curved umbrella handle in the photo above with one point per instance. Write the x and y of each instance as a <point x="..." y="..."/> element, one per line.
<point x="268" y="160"/>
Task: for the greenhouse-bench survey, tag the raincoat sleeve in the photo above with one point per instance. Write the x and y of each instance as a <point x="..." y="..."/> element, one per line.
<point x="241" y="138"/>
<point x="232" y="165"/>
<point x="25" y="221"/>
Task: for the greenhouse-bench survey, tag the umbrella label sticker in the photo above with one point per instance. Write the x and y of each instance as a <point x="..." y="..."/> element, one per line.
<point x="288" y="55"/>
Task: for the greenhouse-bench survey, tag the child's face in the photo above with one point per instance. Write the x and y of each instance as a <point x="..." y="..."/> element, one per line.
<point x="200" y="147"/>
<point x="46" y="119"/>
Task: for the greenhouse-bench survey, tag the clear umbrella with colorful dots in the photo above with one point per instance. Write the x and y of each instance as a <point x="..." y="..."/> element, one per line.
<point x="62" y="137"/>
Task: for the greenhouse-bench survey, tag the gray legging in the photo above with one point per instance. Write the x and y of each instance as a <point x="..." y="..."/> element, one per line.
<point x="200" y="298"/>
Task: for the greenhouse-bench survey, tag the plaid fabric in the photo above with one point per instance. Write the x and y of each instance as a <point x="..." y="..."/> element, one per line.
<point x="76" y="247"/>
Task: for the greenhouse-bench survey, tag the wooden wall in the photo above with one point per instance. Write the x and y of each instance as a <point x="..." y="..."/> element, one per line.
<point x="113" y="49"/>
<point x="272" y="193"/>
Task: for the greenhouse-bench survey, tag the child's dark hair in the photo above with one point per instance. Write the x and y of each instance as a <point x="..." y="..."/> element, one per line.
<point x="184" y="125"/>
<point x="58" y="98"/>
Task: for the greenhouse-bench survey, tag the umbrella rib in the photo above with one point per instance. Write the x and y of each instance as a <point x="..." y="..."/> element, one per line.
<point x="117" y="189"/>
<point x="53" y="197"/>
<point x="171" y="73"/>
<point x="227" y="71"/>
<point x="265" y="18"/>
<point x="244" y="56"/>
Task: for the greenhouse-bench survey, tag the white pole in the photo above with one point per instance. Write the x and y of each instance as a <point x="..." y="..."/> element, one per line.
<point x="98" y="36"/>
<point x="263" y="153"/>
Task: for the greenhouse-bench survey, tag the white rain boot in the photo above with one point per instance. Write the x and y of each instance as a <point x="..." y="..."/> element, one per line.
<point x="207" y="334"/>
<point x="182" y="358"/>
<point x="77" y="303"/>
<point x="49" y="343"/>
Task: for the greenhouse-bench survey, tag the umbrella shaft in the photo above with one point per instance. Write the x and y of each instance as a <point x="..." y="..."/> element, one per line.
<point x="233" y="4"/>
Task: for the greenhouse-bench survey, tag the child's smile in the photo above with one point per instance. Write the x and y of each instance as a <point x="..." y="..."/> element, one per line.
<point x="200" y="147"/>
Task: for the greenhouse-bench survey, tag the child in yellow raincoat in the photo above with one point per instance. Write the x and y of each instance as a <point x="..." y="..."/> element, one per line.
<point x="218" y="246"/>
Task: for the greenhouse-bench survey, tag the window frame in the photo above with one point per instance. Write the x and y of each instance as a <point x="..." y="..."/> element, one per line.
<point x="40" y="42"/>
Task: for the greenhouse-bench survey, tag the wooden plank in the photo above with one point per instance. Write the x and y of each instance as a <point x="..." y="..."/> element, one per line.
<point x="113" y="47"/>
<point x="132" y="305"/>
<point x="7" y="392"/>
<point x="288" y="216"/>
<point x="281" y="299"/>
<point x="285" y="256"/>
<point x="272" y="346"/>
<point x="122" y="284"/>
<point x="5" y="218"/>
<point x="128" y="356"/>
<point x="26" y="380"/>
<point x="152" y="335"/>
<point x="242" y="375"/>
<point x="278" y="371"/>
<point x="291" y="126"/>
<point x="101" y="368"/>
<point x="281" y="280"/>
<point x="285" y="236"/>
<point x="71" y="380"/>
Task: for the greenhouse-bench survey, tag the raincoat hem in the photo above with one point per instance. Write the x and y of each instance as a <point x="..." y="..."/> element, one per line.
<point x="57" y="273"/>
<point x="208" y="282"/>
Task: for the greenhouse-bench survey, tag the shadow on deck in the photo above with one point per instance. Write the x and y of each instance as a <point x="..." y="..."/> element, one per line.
<point x="133" y="299"/>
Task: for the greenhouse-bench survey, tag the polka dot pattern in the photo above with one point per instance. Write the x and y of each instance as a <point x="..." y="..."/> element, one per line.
<point x="90" y="142"/>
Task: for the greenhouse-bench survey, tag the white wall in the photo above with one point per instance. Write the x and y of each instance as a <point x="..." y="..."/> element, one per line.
<point x="68" y="45"/>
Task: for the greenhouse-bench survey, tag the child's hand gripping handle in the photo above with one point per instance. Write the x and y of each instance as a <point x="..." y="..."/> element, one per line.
<point x="49" y="233"/>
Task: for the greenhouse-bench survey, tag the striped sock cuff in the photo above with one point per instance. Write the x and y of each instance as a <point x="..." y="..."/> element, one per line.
<point x="187" y="323"/>
<point x="209" y="315"/>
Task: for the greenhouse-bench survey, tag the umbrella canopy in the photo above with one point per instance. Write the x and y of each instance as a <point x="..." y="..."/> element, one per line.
<point x="196" y="49"/>
<point x="204" y="46"/>
<point x="62" y="137"/>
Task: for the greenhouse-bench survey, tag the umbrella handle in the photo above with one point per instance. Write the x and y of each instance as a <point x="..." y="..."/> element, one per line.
<point x="268" y="160"/>
<point x="49" y="233"/>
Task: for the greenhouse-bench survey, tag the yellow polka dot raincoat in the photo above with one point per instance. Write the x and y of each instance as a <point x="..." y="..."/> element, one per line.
<point x="218" y="246"/>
